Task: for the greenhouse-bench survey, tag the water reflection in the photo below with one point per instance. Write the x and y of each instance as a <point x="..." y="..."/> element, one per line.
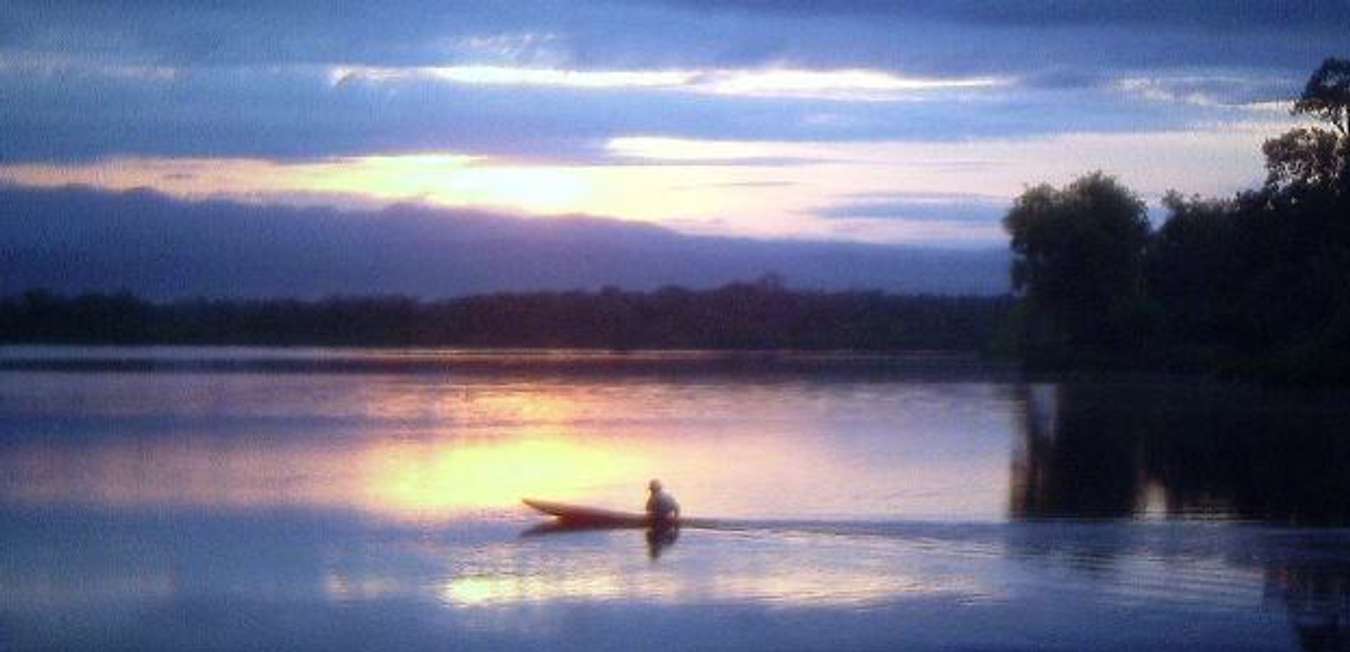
<point x="1098" y="450"/>
<point x="396" y="479"/>
<point x="660" y="537"/>
<point x="427" y="448"/>
<point x="1318" y="600"/>
<point x="1130" y="449"/>
<point x="851" y="494"/>
<point x="807" y="571"/>
<point x="423" y="448"/>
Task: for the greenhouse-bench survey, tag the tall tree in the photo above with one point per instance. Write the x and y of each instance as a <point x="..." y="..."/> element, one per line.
<point x="1307" y="158"/>
<point x="1316" y="158"/>
<point x="1327" y="95"/>
<point x="1078" y="256"/>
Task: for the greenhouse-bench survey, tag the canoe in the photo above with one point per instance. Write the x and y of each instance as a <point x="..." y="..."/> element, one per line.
<point x="578" y="516"/>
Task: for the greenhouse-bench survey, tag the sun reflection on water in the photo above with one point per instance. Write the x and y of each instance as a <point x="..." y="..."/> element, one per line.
<point x="494" y="590"/>
<point x="801" y="586"/>
<point x="807" y="577"/>
<point x="422" y="479"/>
<point x="430" y="448"/>
<point x="427" y="478"/>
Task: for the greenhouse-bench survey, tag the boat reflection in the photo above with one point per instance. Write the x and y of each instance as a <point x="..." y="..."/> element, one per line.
<point x="658" y="537"/>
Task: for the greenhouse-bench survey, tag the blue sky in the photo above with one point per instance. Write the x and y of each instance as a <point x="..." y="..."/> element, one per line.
<point x="883" y="122"/>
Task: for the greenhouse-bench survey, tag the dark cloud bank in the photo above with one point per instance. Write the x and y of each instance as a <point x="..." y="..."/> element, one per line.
<point x="77" y="239"/>
<point x="84" y="80"/>
<point x="666" y="32"/>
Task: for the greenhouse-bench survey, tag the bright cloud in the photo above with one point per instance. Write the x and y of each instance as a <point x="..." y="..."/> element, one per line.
<point x="1212" y="91"/>
<point x="835" y="190"/>
<point x="849" y="84"/>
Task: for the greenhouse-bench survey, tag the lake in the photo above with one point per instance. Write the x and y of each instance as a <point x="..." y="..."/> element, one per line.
<point x="235" y="498"/>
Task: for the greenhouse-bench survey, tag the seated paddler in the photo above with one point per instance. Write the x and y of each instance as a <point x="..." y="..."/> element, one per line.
<point x="661" y="506"/>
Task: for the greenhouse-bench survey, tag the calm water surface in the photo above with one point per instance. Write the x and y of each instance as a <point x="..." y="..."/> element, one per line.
<point x="323" y="499"/>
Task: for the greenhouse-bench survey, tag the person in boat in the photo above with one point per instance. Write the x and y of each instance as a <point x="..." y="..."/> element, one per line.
<point x="661" y="506"/>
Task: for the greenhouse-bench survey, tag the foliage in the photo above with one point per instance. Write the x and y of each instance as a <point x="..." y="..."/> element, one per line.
<point x="1327" y="95"/>
<point x="1317" y="157"/>
<point x="1304" y="158"/>
<point x="1258" y="285"/>
<point x="1194" y="269"/>
<point x="759" y="315"/>
<point x="1078" y="262"/>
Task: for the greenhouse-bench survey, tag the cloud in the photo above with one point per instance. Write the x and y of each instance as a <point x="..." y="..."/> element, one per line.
<point x="556" y="79"/>
<point x="855" y="85"/>
<point x="921" y="207"/>
<point x="926" y="38"/>
<point x="896" y="191"/>
<point x="73" y="240"/>
<point x="1213" y="89"/>
<point x="296" y="113"/>
<point x="1248" y="14"/>
<point x="287" y="113"/>
<point x="737" y="184"/>
<point x="745" y="117"/>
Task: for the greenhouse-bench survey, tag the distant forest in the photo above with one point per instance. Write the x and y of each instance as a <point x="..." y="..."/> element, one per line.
<point x="1256" y="286"/>
<point x="741" y="316"/>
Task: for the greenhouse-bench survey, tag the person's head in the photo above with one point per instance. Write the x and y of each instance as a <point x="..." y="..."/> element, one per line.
<point x="654" y="486"/>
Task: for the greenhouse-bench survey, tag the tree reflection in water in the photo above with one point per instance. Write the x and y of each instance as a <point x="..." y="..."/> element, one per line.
<point x="1107" y="450"/>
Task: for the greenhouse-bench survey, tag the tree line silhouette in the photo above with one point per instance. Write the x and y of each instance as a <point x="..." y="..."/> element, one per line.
<point x="740" y="316"/>
<point x="1254" y="286"/>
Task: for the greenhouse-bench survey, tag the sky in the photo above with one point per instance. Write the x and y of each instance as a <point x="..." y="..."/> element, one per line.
<point x="892" y="123"/>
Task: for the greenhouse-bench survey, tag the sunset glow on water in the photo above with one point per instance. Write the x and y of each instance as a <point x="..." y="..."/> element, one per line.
<point x="440" y="447"/>
<point x="597" y="326"/>
<point x="393" y="494"/>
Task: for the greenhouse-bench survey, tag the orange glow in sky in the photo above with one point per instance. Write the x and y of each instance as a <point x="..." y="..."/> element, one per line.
<point x="744" y="188"/>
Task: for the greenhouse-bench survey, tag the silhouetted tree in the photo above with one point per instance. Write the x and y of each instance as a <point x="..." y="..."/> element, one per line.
<point x="758" y="315"/>
<point x="1078" y="264"/>
<point x="1304" y="158"/>
<point x="1299" y="287"/>
<point x="1327" y="95"/>
<point x="1316" y="157"/>
<point x="1258" y="285"/>
<point x="1196" y="274"/>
